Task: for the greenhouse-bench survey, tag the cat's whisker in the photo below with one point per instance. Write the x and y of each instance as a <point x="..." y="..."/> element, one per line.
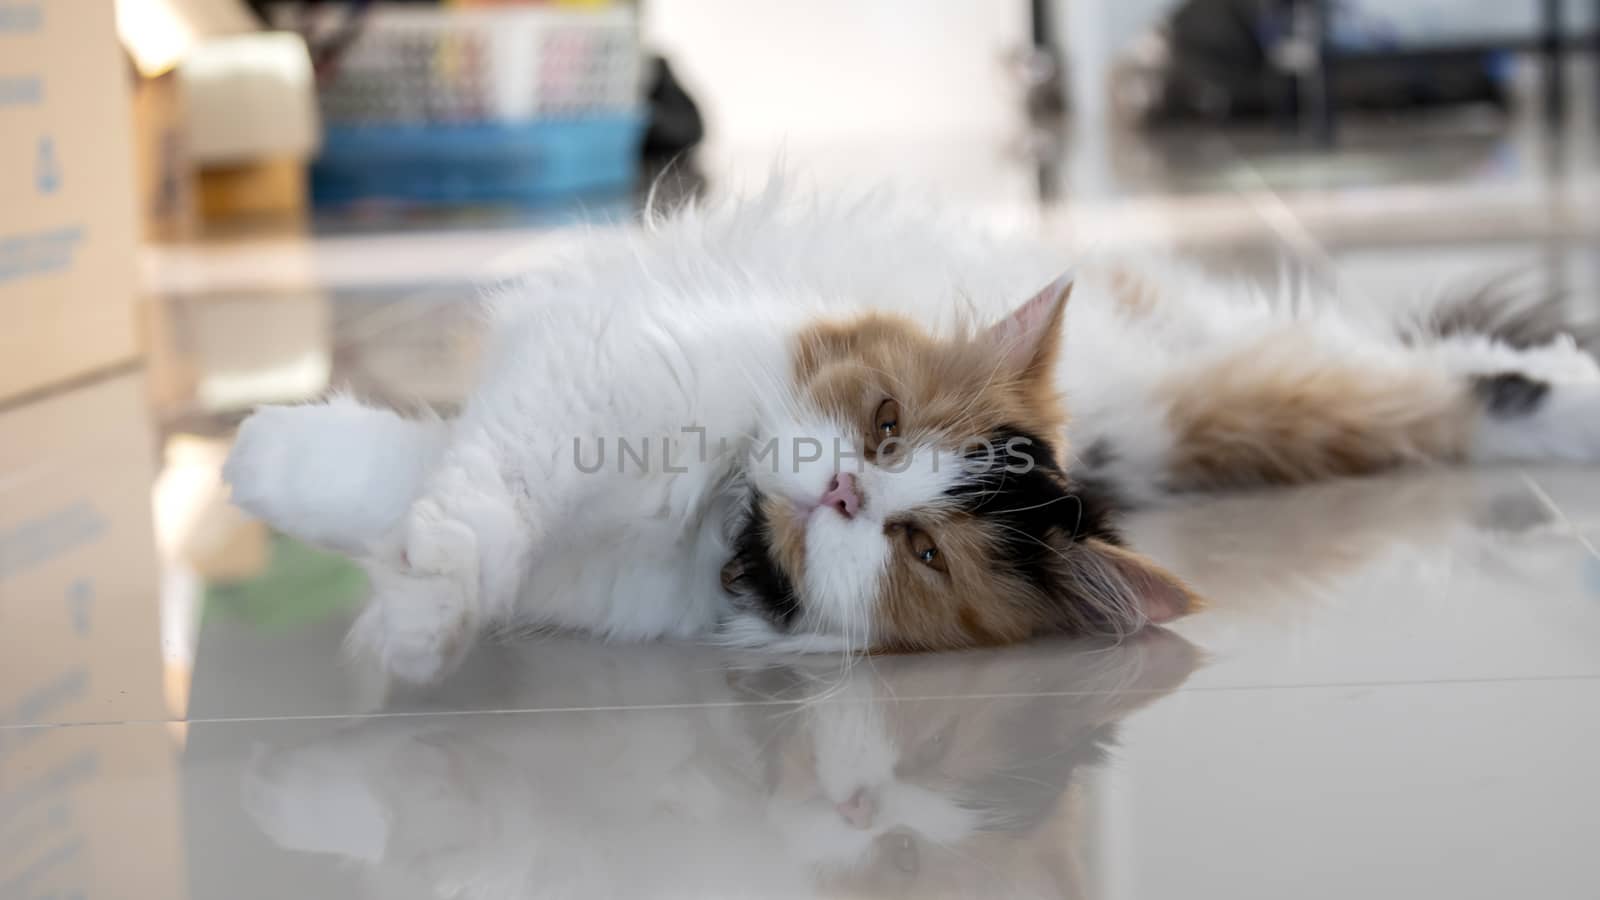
<point x="1047" y="503"/>
<point x="1115" y="604"/>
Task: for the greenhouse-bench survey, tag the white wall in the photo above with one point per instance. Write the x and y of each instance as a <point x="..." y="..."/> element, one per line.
<point x="826" y="71"/>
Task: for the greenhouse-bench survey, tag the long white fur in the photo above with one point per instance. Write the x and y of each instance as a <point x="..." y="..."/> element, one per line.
<point x="688" y="323"/>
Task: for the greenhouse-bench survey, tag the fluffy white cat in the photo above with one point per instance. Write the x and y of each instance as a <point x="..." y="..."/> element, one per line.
<point x="839" y="425"/>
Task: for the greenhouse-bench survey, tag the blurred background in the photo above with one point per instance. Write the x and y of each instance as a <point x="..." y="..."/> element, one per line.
<point x="210" y="204"/>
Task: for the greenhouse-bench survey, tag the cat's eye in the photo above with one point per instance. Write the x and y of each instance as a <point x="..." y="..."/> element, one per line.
<point x="924" y="549"/>
<point x="886" y="421"/>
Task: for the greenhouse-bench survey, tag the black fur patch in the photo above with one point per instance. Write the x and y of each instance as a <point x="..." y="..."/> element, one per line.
<point x="1098" y="454"/>
<point x="1034" y="506"/>
<point x="1040" y="498"/>
<point x="756" y="576"/>
<point x="1101" y="507"/>
<point x="1509" y="395"/>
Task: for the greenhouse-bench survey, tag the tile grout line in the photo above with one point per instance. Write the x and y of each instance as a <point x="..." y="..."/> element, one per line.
<point x="740" y="704"/>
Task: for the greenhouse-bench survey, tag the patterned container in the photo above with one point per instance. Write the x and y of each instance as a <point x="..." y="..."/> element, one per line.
<point x="518" y="105"/>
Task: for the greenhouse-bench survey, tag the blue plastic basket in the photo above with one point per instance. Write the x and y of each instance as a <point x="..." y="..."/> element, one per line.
<point x="498" y="164"/>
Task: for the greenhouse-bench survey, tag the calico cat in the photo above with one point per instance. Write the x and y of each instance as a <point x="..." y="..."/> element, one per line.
<point x="848" y="426"/>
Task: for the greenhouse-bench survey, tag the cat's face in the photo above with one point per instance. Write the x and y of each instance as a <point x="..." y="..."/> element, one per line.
<point x="913" y="498"/>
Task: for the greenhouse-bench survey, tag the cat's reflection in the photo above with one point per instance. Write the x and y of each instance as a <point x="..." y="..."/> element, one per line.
<point x="958" y="775"/>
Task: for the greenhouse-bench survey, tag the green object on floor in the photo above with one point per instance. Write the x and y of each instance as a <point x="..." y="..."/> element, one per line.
<point x="300" y="584"/>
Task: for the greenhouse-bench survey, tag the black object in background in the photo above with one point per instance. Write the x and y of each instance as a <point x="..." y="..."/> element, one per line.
<point x="1220" y="66"/>
<point x="675" y="123"/>
<point x="670" y="174"/>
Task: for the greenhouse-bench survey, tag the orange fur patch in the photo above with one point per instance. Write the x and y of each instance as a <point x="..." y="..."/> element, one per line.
<point x="1284" y="412"/>
<point x="953" y="387"/>
<point x="971" y="605"/>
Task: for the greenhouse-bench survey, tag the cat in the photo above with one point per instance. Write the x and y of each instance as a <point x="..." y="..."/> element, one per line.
<point x="792" y="779"/>
<point x="841" y="425"/>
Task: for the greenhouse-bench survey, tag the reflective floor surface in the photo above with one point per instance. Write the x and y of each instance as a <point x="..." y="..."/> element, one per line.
<point x="1394" y="694"/>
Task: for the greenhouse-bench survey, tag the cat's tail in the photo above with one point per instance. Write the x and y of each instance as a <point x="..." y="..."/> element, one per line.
<point x="1477" y="380"/>
<point x="336" y="474"/>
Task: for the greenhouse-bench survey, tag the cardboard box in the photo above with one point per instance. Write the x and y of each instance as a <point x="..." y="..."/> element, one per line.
<point x="66" y="194"/>
<point x="79" y="580"/>
<point x="94" y="814"/>
<point x="167" y="198"/>
<point x="80" y="642"/>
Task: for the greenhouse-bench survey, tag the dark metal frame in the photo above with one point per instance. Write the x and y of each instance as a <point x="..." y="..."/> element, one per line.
<point x="1319" y="117"/>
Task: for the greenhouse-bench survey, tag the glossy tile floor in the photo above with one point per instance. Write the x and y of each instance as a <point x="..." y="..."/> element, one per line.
<point x="1394" y="694"/>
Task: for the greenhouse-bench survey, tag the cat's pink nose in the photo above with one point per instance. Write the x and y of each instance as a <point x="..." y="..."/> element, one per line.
<point x="859" y="810"/>
<point x="842" y="495"/>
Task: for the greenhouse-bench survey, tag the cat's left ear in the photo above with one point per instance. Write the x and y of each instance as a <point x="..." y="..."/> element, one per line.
<point x="1027" y="340"/>
<point x="1133" y="583"/>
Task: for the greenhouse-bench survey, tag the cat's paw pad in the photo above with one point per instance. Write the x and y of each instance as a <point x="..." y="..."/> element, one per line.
<point x="436" y="544"/>
<point x="423" y="617"/>
<point x="418" y="627"/>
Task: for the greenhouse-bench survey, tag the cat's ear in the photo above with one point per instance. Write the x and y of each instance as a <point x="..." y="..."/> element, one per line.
<point x="1027" y="341"/>
<point x="1130" y="586"/>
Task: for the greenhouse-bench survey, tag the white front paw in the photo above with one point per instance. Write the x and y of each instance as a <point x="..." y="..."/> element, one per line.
<point x="424" y="612"/>
<point x="317" y="472"/>
<point x="258" y="470"/>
